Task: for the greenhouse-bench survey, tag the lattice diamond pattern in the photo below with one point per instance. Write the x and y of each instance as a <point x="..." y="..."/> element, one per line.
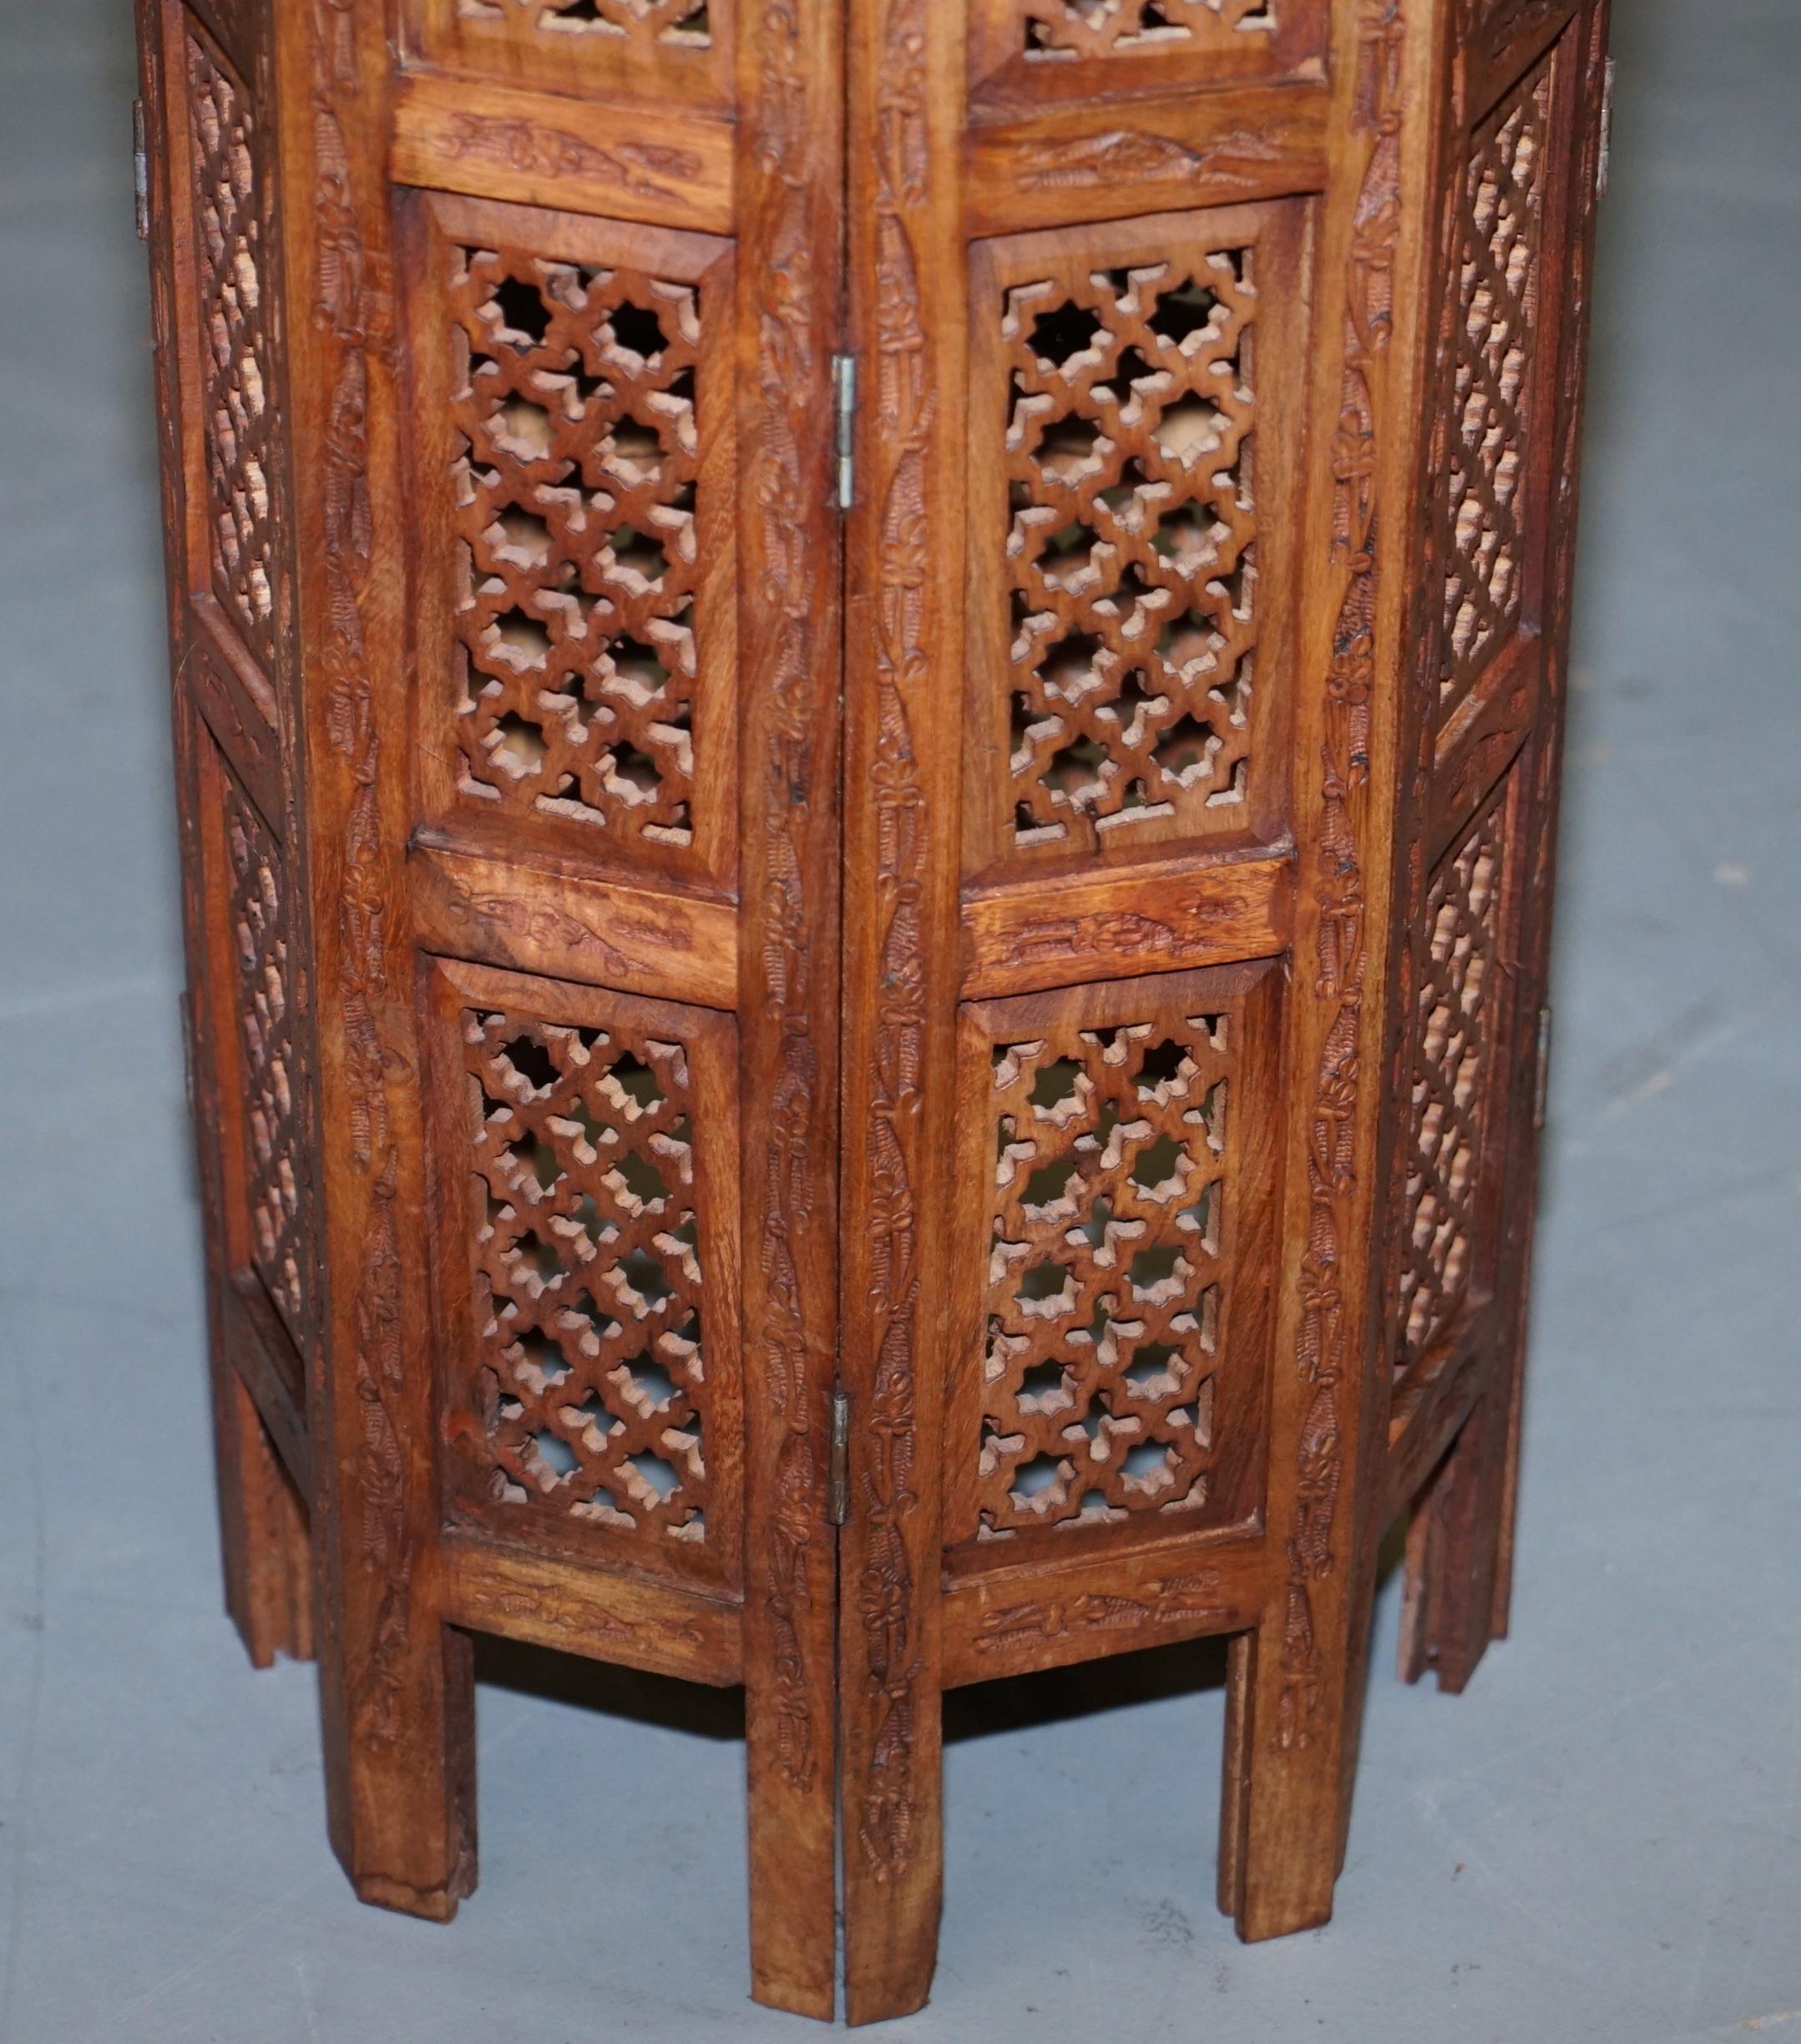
<point x="1133" y="544"/>
<point x="1493" y="389"/>
<point x="1104" y="1281"/>
<point x="662" y="21"/>
<point x="274" y="1135"/>
<point x="242" y="446"/>
<point x="1454" y="1067"/>
<point x="574" y="392"/>
<point x="1101" y="27"/>
<point x="588" y="1270"/>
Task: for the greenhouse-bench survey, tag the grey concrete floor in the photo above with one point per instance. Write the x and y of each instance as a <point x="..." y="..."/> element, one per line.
<point x="1601" y="1840"/>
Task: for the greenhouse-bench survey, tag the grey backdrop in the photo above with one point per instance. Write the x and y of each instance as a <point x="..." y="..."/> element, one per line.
<point x="1601" y="1841"/>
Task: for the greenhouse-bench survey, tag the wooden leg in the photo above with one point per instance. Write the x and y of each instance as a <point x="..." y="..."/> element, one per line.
<point x="1291" y="1733"/>
<point x="790" y="1756"/>
<point x="893" y="1854"/>
<point x="1241" y="1675"/>
<point x="397" y="1683"/>
<point x="262" y="1526"/>
<point x="1453" y="1548"/>
<point x="400" y="1770"/>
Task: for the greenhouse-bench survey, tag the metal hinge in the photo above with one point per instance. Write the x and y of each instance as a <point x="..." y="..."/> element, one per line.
<point x="838" y="1469"/>
<point x="844" y="417"/>
<point x="140" y="171"/>
<point x="1604" y="162"/>
<point x="1541" y="1089"/>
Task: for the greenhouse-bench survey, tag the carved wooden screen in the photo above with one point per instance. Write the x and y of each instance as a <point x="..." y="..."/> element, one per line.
<point x="868" y="694"/>
<point x="1483" y="713"/>
<point x="1523" y="158"/>
<point x="228" y="487"/>
<point x="1085" y="314"/>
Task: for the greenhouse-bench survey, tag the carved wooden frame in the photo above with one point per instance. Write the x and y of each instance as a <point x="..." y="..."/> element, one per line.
<point x="850" y="937"/>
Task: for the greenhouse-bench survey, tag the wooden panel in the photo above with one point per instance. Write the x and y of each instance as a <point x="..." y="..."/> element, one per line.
<point x="573" y="443"/>
<point x="238" y="498"/>
<point x="1481" y="741"/>
<point x="628" y="935"/>
<point x="1432" y="1404"/>
<point x="1081" y="163"/>
<point x="791" y="202"/>
<point x="1458" y="1040"/>
<point x="264" y="1355"/>
<point x="247" y="1007"/>
<point x="238" y="707"/>
<point x="664" y="165"/>
<point x="666" y="1628"/>
<point x="584" y="1146"/>
<point x="1129" y="583"/>
<point x="1497" y="414"/>
<point x="1117" y="1175"/>
<point x="1027" y="51"/>
<point x="1014" y="1621"/>
<point x="902" y="739"/>
<point x="1295" y="1703"/>
<point x="1020" y="936"/>
<point x="396" y="1686"/>
<point x="659" y="51"/>
<point x="1502" y="40"/>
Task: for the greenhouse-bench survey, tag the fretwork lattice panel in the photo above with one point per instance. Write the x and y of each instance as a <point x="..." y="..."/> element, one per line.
<point x="238" y="396"/>
<point x="271" y="1078"/>
<point x="1115" y="1360"/>
<point x="1493" y="395"/>
<point x="1056" y="28"/>
<point x="673" y="51"/>
<point x="1115" y="424"/>
<point x="601" y="1388"/>
<point x="1458" y="1057"/>
<point x="577" y="495"/>
<point x="1028" y="52"/>
<point x="684" y="22"/>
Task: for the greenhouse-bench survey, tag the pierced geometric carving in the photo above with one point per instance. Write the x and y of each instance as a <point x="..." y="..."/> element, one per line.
<point x="684" y="22"/>
<point x="1493" y="387"/>
<point x="1455" y="1053"/>
<point x="1106" y="1281"/>
<point x="1064" y="29"/>
<point x="1131" y="545"/>
<point x="592" y="1390"/>
<point x="576" y="480"/>
<point x="242" y="445"/>
<point x="275" y="1138"/>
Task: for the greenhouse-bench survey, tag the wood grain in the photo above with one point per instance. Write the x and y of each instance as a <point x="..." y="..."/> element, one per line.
<point x="663" y="166"/>
<point x="1022" y="954"/>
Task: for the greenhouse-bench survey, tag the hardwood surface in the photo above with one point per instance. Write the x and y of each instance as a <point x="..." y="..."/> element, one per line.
<point x="855" y="1075"/>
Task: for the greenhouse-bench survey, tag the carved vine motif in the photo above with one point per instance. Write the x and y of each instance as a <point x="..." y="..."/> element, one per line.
<point x="1135" y="156"/>
<point x="575" y="480"/>
<point x="354" y="313"/>
<point x="1132" y="542"/>
<point x="243" y="445"/>
<point x="1065" y="28"/>
<point x="1493" y="397"/>
<point x="904" y="405"/>
<point x="1172" y="1599"/>
<point x="1106" y="1273"/>
<point x="681" y="22"/>
<point x="1453" y="1053"/>
<point x="1324" y="1351"/>
<point x="636" y="167"/>
<point x="274" y="1106"/>
<point x="588" y="1253"/>
<point x="787" y="375"/>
